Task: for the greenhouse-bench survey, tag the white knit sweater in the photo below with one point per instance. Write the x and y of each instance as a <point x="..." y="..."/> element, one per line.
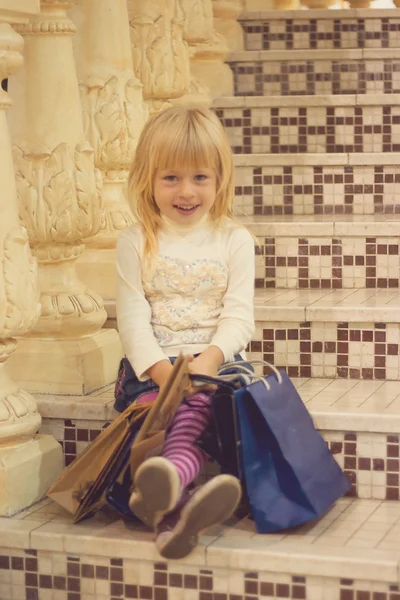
<point x="200" y="293"/>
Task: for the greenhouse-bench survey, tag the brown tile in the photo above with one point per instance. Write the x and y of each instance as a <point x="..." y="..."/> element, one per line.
<point x="73" y="584"/>
<point x="364" y="464"/>
<point x="17" y="563"/>
<point x="101" y="572"/>
<point x="205" y="583"/>
<point x="87" y="571"/>
<point x="160" y="579"/>
<point x="116" y="574"/>
<point x="251" y="587"/>
<point x="282" y="590"/>
<point x="190" y="582"/>
<point x="118" y="562"/>
<point x="160" y="594"/>
<point x="31" y="564"/>
<point x="298" y="592"/>
<point x="116" y="589"/>
<point x="73" y="569"/>
<point x="45" y="581"/>
<point x="32" y="594"/>
<point x="145" y="592"/>
<point x="131" y="591"/>
<point x="267" y="588"/>
<point x="392" y="493"/>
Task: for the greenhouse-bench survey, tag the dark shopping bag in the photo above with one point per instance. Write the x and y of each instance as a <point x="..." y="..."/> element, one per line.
<point x="288" y="470"/>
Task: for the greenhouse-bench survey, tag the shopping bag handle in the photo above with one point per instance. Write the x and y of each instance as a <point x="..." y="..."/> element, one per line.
<point x="238" y="364"/>
<point x="245" y="373"/>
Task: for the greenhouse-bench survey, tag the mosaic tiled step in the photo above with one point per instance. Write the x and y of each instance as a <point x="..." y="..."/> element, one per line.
<point x="317" y="184"/>
<point x="360" y="420"/>
<point x="353" y="552"/>
<point x="321" y="29"/>
<point x="327" y="252"/>
<point x="313" y="72"/>
<point x="351" y="334"/>
<point x="333" y="124"/>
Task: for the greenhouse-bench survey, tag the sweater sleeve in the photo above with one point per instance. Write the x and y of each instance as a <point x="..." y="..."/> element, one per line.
<point x="133" y="310"/>
<point x="236" y="322"/>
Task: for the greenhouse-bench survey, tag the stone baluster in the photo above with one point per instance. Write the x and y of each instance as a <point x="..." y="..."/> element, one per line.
<point x="113" y="117"/>
<point x="210" y="76"/>
<point x="160" y="55"/>
<point x="226" y="14"/>
<point x="317" y="4"/>
<point x="28" y="462"/>
<point x="60" y="203"/>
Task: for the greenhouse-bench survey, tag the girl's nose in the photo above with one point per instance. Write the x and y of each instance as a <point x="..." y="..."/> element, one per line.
<point x="186" y="189"/>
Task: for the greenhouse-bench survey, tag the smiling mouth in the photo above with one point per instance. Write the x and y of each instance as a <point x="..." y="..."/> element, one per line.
<point x="186" y="208"/>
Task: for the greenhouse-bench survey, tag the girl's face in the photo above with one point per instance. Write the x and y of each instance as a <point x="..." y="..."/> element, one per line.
<point x="185" y="196"/>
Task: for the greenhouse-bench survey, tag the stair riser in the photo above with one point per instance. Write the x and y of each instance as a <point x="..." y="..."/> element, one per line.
<point x="110" y="573"/>
<point x="327" y="349"/>
<point x="313" y="76"/>
<point x="328" y="33"/>
<point x="326" y="262"/>
<point x="312" y="129"/>
<point x="370" y="460"/>
<point x="297" y="189"/>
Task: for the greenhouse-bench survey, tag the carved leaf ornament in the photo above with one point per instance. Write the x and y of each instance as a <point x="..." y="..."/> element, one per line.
<point x="109" y="123"/>
<point x="59" y="193"/>
<point x="21" y="285"/>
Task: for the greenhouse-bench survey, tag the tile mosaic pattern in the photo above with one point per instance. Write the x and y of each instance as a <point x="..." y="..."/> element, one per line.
<point x="312" y="129"/>
<point x="307" y="190"/>
<point x="321" y="33"/>
<point x="40" y="575"/>
<point x="371" y="463"/>
<point x="371" y="527"/>
<point x="321" y="263"/>
<point x="313" y="76"/>
<point x="73" y="435"/>
<point x="317" y="349"/>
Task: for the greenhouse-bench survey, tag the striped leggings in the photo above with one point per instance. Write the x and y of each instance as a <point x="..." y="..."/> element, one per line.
<point x="191" y="419"/>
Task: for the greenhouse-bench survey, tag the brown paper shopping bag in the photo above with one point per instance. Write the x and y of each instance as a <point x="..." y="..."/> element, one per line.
<point x="81" y="486"/>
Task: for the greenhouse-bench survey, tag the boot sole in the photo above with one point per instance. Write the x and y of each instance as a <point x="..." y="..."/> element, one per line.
<point x="215" y="502"/>
<point x="156" y="490"/>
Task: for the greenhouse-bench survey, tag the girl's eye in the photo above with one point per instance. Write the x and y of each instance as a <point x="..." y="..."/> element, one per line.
<point x="170" y="177"/>
<point x="200" y="177"/>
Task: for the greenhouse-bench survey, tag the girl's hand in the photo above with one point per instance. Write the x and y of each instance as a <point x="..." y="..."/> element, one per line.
<point x="208" y="362"/>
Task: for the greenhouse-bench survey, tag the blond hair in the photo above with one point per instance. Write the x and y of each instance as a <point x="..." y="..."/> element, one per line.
<point x="179" y="138"/>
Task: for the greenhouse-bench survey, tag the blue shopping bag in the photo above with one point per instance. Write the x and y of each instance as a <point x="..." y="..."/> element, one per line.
<point x="290" y="474"/>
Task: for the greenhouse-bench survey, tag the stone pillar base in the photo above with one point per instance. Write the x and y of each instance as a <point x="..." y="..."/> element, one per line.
<point x="26" y="472"/>
<point x="75" y="366"/>
<point x="96" y="268"/>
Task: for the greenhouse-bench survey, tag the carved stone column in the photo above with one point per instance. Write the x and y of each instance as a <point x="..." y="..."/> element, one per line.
<point x="160" y="55"/>
<point x="211" y="78"/>
<point x="113" y="117"/>
<point x="226" y="14"/>
<point x="28" y="462"/>
<point x="60" y="201"/>
<point x="317" y="4"/>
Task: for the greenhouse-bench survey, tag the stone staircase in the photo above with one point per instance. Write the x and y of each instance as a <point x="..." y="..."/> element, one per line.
<point x="315" y="127"/>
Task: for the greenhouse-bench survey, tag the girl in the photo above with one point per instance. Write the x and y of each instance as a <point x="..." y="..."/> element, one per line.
<point x="185" y="279"/>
